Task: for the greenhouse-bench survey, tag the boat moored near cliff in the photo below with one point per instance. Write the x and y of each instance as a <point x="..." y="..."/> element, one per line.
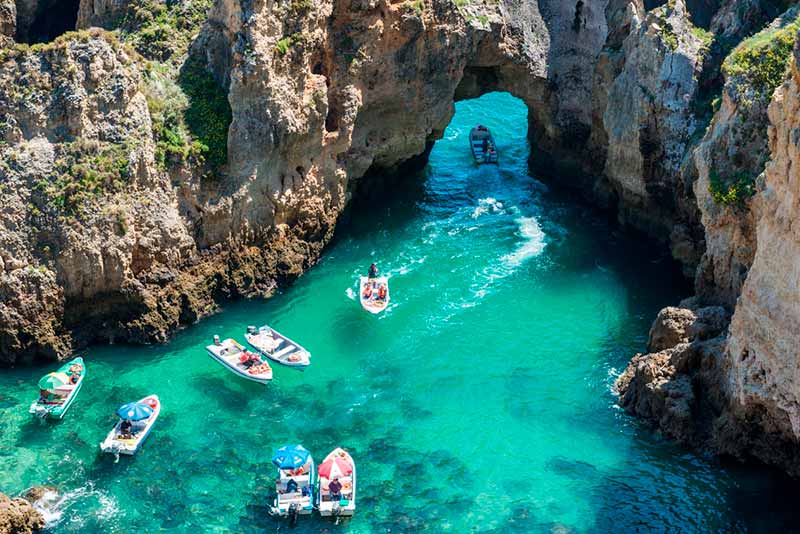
<point x="296" y="482"/>
<point x="136" y="419"/>
<point x="337" y="484"/>
<point x="57" y="390"/>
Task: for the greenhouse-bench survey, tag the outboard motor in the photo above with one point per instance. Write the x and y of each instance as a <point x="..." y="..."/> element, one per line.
<point x="336" y="512"/>
<point x="216" y="339"/>
<point x="294" y="510"/>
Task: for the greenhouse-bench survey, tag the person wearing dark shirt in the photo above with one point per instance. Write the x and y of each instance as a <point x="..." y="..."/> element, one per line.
<point x="291" y="486"/>
<point x="125" y="428"/>
<point x="335" y="487"/>
<point x="373" y="271"/>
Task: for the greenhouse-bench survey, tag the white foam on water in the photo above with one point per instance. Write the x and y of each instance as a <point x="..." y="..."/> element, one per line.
<point x="48" y="506"/>
<point x="351" y="294"/>
<point x="532" y="245"/>
<point x="52" y="506"/>
<point x="487" y="205"/>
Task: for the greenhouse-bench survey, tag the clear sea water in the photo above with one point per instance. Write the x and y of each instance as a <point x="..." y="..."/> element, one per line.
<point x="480" y="401"/>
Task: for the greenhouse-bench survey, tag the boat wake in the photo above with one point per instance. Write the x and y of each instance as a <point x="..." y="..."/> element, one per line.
<point x="533" y="244"/>
<point x="487" y="205"/>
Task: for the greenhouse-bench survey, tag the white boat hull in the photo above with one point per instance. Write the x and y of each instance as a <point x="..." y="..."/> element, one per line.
<point x="113" y="444"/>
<point x="279" y="348"/>
<point x="373" y="304"/>
<point x="228" y="353"/>
<point x="345" y="507"/>
<point x="58" y="411"/>
<point x="282" y="503"/>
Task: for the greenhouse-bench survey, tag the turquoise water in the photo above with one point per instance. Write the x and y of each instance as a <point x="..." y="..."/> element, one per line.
<point x="479" y="402"/>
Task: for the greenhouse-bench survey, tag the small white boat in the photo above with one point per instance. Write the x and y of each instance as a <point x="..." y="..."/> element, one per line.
<point x="374" y="293"/>
<point x="58" y="390"/>
<point x="277" y="347"/>
<point x="295" y="490"/>
<point x="240" y="361"/>
<point x="338" y="466"/>
<point x="119" y="442"/>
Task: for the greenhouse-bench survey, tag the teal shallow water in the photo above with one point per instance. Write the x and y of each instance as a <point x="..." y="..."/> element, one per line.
<point x="479" y="402"/>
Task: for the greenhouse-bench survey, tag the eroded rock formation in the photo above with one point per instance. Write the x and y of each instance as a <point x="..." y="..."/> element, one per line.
<point x="737" y="393"/>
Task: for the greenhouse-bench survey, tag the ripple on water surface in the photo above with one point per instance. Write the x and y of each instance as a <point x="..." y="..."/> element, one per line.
<point x="479" y="402"/>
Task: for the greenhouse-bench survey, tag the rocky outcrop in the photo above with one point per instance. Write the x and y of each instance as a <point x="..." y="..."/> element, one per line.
<point x="678" y="385"/>
<point x="736" y="393"/>
<point x="17" y="516"/>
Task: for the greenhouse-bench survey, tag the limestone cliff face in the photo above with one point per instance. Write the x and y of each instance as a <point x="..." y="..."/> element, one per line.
<point x="764" y="343"/>
<point x="648" y="119"/>
<point x="737" y="393"/>
<point x="107" y="233"/>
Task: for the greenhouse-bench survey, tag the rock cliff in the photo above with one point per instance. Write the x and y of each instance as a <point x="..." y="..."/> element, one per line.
<point x="736" y="393"/>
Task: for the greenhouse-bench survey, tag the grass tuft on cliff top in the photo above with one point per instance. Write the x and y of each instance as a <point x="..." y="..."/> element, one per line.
<point x="761" y="60"/>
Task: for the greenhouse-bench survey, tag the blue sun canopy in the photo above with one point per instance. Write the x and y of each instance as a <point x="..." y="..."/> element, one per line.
<point x="135" y="411"/>
<point x="290" y="456"/>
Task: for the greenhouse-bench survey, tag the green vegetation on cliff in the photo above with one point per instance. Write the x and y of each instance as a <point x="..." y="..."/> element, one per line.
<point x="84" y="170"/>
<point x="732" y="190"/>
<point x="208" y="115"/>
<point x="162" y="31"/>
<point x="761" y="60"/>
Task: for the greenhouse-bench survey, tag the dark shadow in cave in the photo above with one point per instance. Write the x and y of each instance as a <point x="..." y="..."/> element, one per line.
<point x="52" y="19"/>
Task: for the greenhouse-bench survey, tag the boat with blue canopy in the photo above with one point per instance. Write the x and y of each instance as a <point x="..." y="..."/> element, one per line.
<point x="58" y="390"/>
<point x="136" y="419"/>
<point x="296" y="482"/>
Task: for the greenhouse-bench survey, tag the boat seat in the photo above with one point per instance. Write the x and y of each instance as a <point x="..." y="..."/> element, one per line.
<point x="283" y="351"/>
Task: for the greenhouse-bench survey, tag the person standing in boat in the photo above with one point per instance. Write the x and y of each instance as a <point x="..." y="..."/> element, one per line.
<point x="373" y="271"/>
<point x="335" y="487"/>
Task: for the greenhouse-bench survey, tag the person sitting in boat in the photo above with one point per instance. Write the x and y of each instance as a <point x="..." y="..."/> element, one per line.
<point x="382" y="292"/>
<point x="373" y="271"/>
<point x="368" y="291"/>
<point x="126" y="429"/>
<point x="291" y="486"/>
<point x="335" y="487"/>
